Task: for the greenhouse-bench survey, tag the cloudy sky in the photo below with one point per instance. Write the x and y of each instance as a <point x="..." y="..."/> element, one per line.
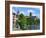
<point x="26" y="11"/>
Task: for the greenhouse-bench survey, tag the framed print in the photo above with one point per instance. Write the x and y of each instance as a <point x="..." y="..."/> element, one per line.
<point x="24" y="18"/>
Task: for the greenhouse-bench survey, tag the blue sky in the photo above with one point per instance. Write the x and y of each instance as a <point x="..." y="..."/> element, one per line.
<point x="26" y="11"/>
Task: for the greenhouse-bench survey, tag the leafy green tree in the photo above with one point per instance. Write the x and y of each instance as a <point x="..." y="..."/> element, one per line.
<point x="29" y="20"/>
<point x="22" y="21"/>
<point x="36" y="22"/>
<point x="30" y="14"/>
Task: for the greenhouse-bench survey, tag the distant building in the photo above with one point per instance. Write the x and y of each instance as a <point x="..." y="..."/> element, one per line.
<point x="17" y="14"/>
<point x="32" y="17"/>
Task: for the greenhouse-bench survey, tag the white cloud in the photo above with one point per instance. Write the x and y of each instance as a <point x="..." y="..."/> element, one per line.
<point x="32" y="11"/>
<point x="21" y="12"/>
<point x="14" y="11"/>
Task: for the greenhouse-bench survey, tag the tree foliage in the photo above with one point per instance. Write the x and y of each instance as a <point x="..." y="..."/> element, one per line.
<point x="24" y="22"/>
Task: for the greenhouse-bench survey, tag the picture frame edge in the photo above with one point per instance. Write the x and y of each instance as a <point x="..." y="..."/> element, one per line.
<point x="7" y="25"/>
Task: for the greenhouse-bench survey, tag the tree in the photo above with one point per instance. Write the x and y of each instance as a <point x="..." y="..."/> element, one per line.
<point x="36" y="22"/>
<point x="22" y="21"/>
<point x="30" y="14"/>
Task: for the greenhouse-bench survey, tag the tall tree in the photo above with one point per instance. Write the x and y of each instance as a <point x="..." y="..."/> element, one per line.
<point x="30" y="14"/>
<point x="36" y="22"/>
<point x="22" y="21"/>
